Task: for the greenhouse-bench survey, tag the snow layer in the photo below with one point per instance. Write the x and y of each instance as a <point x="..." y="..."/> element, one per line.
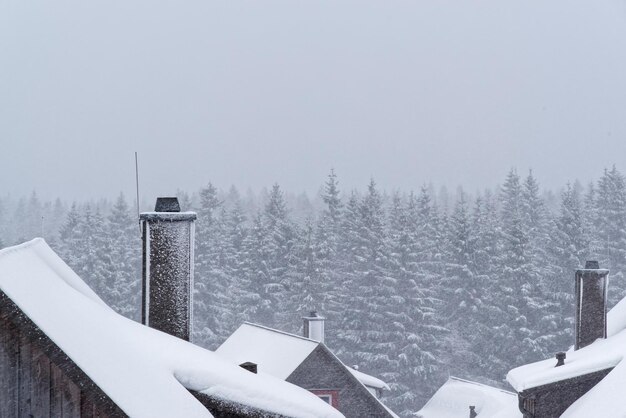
<point x="598" y="356"/>
<point x="275" y="352"/>
<point x="454" y="398"/>
<point x="144" y="371"/>
<point x="368" y="380"/>
<point x="606" y="399"/>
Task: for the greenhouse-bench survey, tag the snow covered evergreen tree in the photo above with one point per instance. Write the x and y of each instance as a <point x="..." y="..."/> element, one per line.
<point x="124" y="241"/>
<point x="212" y="303"/>
<point x="569" y="248"/>
<point x="611" y="229"/>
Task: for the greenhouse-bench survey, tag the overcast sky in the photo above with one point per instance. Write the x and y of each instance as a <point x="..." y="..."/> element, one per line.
<point x="255" y="92"/>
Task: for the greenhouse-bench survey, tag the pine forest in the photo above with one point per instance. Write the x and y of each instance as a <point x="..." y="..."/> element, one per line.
<point x="416" y="285"/>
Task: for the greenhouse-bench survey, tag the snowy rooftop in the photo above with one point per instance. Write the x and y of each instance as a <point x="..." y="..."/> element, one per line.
<point x="600" y="355"/>
<point x="453" y="399"/>
<point x="277" y="353"/>
<point x="145" y="372"/>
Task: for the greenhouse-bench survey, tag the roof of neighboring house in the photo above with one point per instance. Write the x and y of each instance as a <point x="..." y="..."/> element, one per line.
<point x="145" y="372"/>
<point x="277" y="353"/>
<point x="604" y="399"/>
<point x="454" y="398"/>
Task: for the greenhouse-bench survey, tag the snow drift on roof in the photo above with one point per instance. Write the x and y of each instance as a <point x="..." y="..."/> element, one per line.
<point x="454" y="398"/>
<point x="368" y="380"/>
<point x="275" y="352"/>
<point x="144" y="371"/>
<point x="606" y="399"/>
<point x="600" y="355"/>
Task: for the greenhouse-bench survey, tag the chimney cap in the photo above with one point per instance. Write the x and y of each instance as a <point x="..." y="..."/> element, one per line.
<point x="313" y="316"/>
<point x="167" y="204"/>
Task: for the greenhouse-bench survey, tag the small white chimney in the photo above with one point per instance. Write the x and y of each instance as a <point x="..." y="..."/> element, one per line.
<point x="314" y="327"/>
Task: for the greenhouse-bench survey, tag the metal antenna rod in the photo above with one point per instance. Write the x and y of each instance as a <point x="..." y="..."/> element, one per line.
<point x="137" y="186"/>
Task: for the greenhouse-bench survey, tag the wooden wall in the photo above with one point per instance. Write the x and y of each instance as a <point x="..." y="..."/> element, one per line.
<point x="31" y="385"/>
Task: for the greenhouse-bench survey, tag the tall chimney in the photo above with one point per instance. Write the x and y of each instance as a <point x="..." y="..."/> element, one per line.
<point x="314" y="326"/>
<point x="168" y="243"/>
<point x="591" y="300"/>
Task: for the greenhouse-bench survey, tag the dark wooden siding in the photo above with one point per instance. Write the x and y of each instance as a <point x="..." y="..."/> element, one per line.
<point x="551" y="400"/>
<point x="321" y="370"/>
<point x="38" y="380"/>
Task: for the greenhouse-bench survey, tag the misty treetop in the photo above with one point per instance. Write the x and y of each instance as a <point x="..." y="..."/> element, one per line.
<point x="415" y="286"/>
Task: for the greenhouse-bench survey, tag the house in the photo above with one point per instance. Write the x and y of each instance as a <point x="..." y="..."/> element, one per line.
<point x="587" y="380"/>
<point x="307" y="362"/>
<point x="458" y="398"/>
<point x="65" y="353"/>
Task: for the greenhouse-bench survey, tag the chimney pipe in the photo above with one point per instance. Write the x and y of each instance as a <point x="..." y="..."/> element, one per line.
<point x="168" y="258"/>
<point x="314" y="327"/>
<point x="249" y="366"/>
<point x="560" y="359"/>
<point x="591" y="304"/>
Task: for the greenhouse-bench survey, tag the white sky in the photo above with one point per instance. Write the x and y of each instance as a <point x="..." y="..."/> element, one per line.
<point x="256" y="92"/>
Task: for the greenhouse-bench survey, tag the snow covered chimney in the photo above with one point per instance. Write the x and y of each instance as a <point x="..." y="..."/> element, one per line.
<point x="591" y="300"/>
<point x="168" y="241"/>
<point x="314" y="327"/>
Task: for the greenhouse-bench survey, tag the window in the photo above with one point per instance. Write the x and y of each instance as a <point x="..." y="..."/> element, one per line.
<point x="326" y="398"/>
<point x="329" y="396"/>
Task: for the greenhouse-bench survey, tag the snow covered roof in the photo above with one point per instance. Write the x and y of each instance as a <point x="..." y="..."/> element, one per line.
<point x="454" y="398"/>
<point x="277" y="353"/>
<point x="605" y="399"/>
<point x="600" y="355"/>
<point x="147" y="373"/>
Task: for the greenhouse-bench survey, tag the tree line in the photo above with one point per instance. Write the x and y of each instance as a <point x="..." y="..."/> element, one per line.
<point x="415" y="286"/>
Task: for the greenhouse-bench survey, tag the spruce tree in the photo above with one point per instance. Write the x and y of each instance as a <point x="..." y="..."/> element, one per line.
<point x="124" y="239"/>
<point x="611" y="229"/>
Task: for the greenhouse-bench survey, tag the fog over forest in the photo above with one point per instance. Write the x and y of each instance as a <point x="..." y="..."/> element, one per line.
<point x="416" y="285"/>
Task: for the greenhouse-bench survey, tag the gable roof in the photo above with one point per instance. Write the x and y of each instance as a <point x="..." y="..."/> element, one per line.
<point x="604" y="399"/>
<point x="145" y="372"/>
<point x="454" y="397"/>
<point x="277" y="353"/>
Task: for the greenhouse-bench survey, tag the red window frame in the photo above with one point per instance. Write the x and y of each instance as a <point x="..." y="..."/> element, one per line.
<point x="334" y="396"/>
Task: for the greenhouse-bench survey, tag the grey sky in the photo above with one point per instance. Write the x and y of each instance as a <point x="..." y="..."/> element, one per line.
<point x="256" y="92"/>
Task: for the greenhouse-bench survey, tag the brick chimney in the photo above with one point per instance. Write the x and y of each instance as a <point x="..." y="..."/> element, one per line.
<point x="591" y="300"/>
<point x="314" y="326"/>
<point x="167" y="285"/>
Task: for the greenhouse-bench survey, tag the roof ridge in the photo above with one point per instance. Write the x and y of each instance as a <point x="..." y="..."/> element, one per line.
<point x="28" y="244"/>
<point x="289" y="334"/>
<point x="480" y="384"/>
